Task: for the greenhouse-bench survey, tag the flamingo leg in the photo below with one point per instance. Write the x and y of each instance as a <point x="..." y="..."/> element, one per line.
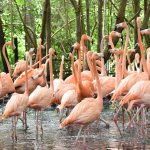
<point x="25" y="119"/>
<point x="139" y="110"/>
<point x="79" y="132"/>
<point x="37" y="123"/>
<point x="41" y="114"/>
<point x="116" y="119"/>
<point x="14" y="122"/>
<point x="104" y="121"/>
<point x="123" y="119"/>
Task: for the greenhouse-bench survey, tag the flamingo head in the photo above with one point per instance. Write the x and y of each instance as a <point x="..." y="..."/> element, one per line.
<point x="51" y="51"/>
<point x="145" y="31"/>
<point x="138" y="20"/>
<point x="122" y="25"/>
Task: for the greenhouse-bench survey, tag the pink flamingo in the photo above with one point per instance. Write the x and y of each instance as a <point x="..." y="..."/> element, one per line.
<point x="35" y="77"/>
<point x="40" y="98"/>
<point x="16" y="105"/>
<point x="6" y="80"/>
<point x="88" y="110"/>
<point x="131" y="79"/>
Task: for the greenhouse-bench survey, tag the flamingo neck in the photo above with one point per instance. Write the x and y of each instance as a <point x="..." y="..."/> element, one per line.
<point x="99" y="91"/>
<point x="84" y="52"/>
<point x="26" y="78"/>
<point x="118" y="72"/>
<point x="142" y="52"/>
<point x="90" y="65"/>
<point x="73" y="68"/>
<point x="103" y="69"/>
<point x="40" y="55"/>
<point x="124" y="69"/>
<point x="6" y="59"/>
<point x="51" y="73"/>
<point x="61" y="69"/>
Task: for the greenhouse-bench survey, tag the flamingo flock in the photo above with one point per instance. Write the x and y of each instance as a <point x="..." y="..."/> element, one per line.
<point x="82" y="93"/>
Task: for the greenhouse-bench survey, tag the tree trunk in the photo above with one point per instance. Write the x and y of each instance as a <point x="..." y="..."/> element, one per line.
<point x="136" y="9"/>
<point x="30" y="23"/>
<point x="48" y="25"/>
<point x="2" y="42"/>
<point x="120" y="18"/>
<point x="42" y="35"/>
<point x="145" y="24"/>
<point x="77" y="8"/>
<point x="100" y="23"/>
<point x="88" y="22"/>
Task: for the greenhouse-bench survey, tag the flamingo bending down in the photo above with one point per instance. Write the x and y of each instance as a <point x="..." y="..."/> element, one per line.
<point x="88" y="110"/>
<point x="35" y="77"/>
<point x="21" y="65"/>
<point x="16" y="105"/>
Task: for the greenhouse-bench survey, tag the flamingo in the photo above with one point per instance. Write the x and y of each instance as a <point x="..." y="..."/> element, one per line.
<point x="21" y="65"/>
<point x="145" y="31"/>
<point x="118" y="64"/>
<point x="85" y="75"/>
<point x="40" y="98"/>
<point x="16" y="105"/>
<point x="88" y="110"/>
<point x="58" y="82"/>
<point x="70" y="97"/>
<point x="35" y="77"/>
<point x="6" y="80"/>
<point x="84" y="38"/>
<point x="131" y="79"/>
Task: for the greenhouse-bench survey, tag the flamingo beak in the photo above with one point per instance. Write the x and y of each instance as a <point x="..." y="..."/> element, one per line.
<point x="71" y="49"/>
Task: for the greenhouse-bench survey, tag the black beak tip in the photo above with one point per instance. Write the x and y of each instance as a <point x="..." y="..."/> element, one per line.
<point x="92" y="42"/>
<point x="71" y="49"/>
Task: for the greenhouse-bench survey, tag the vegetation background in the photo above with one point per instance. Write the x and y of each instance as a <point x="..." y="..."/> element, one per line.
<point x="61" y="23"/>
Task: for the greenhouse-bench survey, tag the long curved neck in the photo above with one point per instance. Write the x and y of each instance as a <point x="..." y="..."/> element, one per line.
<point x="103" y="69"/>
<point x="90" y="65"/>
<point x="51" y="73"/>
<point x="129" y="62"/>
<point x="124" y="70"/>
<point x="148" y="60"/>
<point x="99" y="96"/>
<point x="79" y="69"/>
<point x="73" y="67"/>
<point x="40" y="54"/>
<point x="7" y="62"/>
<point x="142" y="51"/>
<point x="117" y="79"/>
<point x="84" y="52"/>
<point x="26" y="79"/>
<point x="61" y="68"/>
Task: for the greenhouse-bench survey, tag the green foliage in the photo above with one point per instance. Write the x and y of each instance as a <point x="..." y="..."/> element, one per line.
<point x="63" y="23"/>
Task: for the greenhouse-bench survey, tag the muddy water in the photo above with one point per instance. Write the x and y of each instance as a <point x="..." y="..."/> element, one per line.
<point x="98" y="136"/>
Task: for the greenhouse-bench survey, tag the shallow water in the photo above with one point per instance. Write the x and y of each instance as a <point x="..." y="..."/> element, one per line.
<point x="98" y="137"/>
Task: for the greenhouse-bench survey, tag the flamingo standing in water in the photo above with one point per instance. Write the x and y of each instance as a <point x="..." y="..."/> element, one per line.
<point x="88" y="110"/>
<point x="72" y="96"/>
<point x="131" y="79"/>
<point x="16" y="105"/>
<point x="40" y="98"/>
